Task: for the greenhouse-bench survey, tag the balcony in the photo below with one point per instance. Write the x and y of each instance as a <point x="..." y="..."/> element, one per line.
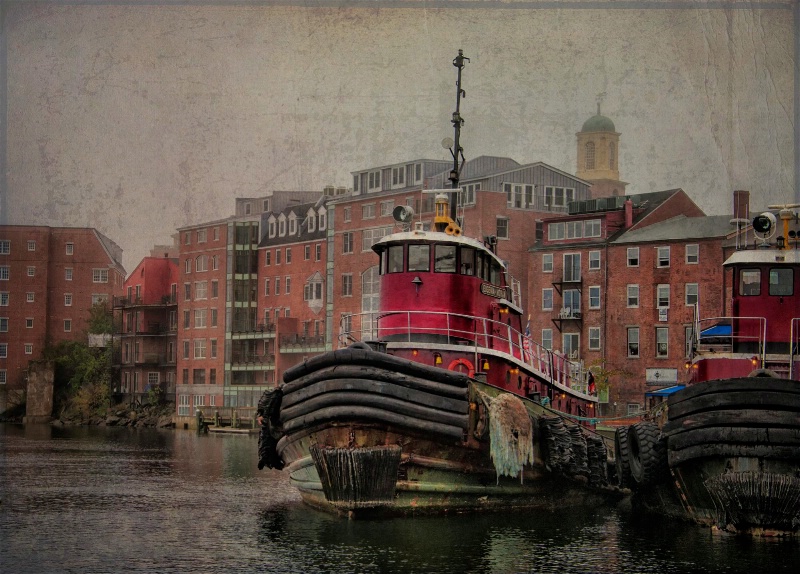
<point x="301" y="343"/>
<point x="252" y="362"/>
<point x="567" y="314"/>
<point x="248" y="330"/>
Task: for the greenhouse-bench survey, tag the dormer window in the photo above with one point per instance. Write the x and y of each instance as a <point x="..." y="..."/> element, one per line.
<point x="292" y="224"/>
<point x="323" y="219"/>
<point x="311" y="217"/>
<point x="282" y="226"/>
<point x="247" y="208"/>
<point x="271" y="225"/>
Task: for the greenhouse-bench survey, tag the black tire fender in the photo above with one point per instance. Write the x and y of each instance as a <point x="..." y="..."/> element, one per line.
<point x="647" y="454"/>
<point x="622" y="457"/>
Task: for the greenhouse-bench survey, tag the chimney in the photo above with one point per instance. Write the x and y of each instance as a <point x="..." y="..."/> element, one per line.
<point x="628" y="213"/>
<point x="741" y="204"/>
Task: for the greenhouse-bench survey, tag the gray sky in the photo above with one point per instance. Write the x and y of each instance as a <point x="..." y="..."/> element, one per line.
<point x="141" y="117"/>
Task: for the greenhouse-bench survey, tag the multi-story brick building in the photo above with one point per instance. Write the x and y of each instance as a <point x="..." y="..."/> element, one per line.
<point x="147" y="330"/>
<point x="616" y="282"/>
<point x="49" y="279"/>
<point x="219" y="329"/>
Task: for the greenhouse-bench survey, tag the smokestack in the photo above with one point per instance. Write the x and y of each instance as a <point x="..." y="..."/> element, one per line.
<point x="741" y="204"/>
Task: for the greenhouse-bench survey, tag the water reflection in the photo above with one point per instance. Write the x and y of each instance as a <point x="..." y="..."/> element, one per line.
<point x="140" y="500"/>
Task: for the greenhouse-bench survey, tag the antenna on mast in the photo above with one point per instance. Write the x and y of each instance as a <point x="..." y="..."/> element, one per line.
<point x="457" y="122"/>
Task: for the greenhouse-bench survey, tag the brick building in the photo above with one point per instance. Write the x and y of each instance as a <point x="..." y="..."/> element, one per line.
<point x="220" y="333"/>
<point x="49" y="279"/>
<point x="146" y="349"/>
<point x="616" y="283"/>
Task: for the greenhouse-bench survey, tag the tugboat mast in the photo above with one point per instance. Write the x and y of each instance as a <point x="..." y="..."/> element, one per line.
<point x="457" y="122"/>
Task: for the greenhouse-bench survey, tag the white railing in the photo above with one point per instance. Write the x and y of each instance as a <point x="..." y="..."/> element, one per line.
<point x="484" y="334"/>
<point x="727" y="343"/>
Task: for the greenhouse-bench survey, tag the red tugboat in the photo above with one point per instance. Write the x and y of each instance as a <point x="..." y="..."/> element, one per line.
<point x="441" y="402"/>
<point x="728" y="453"/>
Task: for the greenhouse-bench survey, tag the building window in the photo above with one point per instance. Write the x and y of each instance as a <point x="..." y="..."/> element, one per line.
<point x="199" y="378"/>
<point x="187" y="238"/>
<point x="67" y="299"/>
<point x="187" y="319"/>
<point x="201" y="290"/>
<point x="202" y="235"/>
<point x="634" y="409"/>
<point x="199" y="348"/>
<point x="67" y="325"/>
<point x="68" y="274"/>
<point x="368" y="211"/>
<point x="200" y="316"/>
<point x="594" y="297"/>
<point x="547" y="263"/>
<point x="29" y="322"/>
<point x="633" y="341"/>
<point x="612" y="155"/>
<point x="278" y="256"/>
<point x="692" y="254"/>
<point x="267" y="258"/>
<point x="186" y="346"/>
<point x="213" y="317"/>
<point x="5" y="247"/>
<point x="31" y="271"/>
<point x="99" y="275"/>
<point x="594" y="338"/>
<point x="292" y="225"/>
<point x="558" y="196"/>
<point x="386" y="208"/>
<point x="691" y="293"/>
<point x="662" y="296"/>
<point x="277" y="286"/>
<point x="307" y="253"/>
<point x="555" y="231"/>
<point x="266" y="287"/>
<point x="572" y="302"/>
<point x="98" y="298"/>
<point x="214" y="289"/>
<point x="572" y="267"/>
<point x="662" y="342"/>
<point x="3" y="350"/>
<point x="31" y="245"/>
<point x="663" y="256"/>
<point x="347" y="214"/>
<point x="4" y="298"/>
<point x="201" y="263"/>
<point x="187" y="291"/>
<point x="370" y="236"/>
<point x="594" y="260"/>
<point x="213" y="349"/>
<point x="347" y="285"/>
<point x="318" y="252"/>
<point x="547" y="299"/>
<point x="547" y="339"/>
<point x="574" y="229"/>
<point x="212" y="380"/>
<point x="288" y="285"/>
<point x="589" y="155"/>
<point x="29" y="297"/>
<point x="288" y="255"/>
<point x="633" y="295"/>
<point x="28" y="349"/>
<point x="3" y="324"/>
<point x="592" y="228"/>
<point x="347" y="242"/>
<point x="3" y="376"/>
<point x="5" y="272"/>
<point x="633" y="257"/>
<point x="502" y="228"/>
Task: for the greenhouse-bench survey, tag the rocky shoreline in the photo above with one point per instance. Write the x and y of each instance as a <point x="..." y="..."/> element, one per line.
<point x="143" y="417"/>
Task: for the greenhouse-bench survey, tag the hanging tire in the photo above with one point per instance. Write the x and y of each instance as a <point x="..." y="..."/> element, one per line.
<point x="647" y="454"/>
<point x="622" y="457"/>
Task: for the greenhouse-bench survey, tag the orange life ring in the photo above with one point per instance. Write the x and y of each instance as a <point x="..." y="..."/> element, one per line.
<point x="456" y="362"/>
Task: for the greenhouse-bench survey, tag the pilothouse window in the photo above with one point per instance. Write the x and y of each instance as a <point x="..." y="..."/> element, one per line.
<point x="781" y="282"/>
<point x="750" y="282"/>
<point x="419" y="257"/>
<point x="395" y="259"/>
<point x="467" y="261"/>
<point x="445" y="260"/>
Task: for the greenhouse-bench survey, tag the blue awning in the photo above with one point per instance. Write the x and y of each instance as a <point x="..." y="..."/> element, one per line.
<point x="664" y="392"/>
<point x="720" y="330"/>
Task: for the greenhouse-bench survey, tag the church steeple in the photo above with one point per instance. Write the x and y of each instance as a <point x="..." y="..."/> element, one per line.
<point x="598" y="155"/>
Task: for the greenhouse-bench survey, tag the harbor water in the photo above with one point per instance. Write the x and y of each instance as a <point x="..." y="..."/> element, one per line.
<point x="89" y="499"/>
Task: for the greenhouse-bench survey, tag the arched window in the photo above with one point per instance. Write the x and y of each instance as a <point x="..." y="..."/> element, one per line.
<point x="589" y="155"/>
<point x="201" y="263"/>
<point x="612" y="155"/>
